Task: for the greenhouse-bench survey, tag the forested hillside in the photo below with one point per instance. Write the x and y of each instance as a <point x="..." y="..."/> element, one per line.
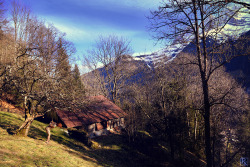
<point x="186" y="105"/>
<point x="189" y="94"/>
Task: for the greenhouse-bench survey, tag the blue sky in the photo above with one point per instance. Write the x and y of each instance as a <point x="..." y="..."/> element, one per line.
<point x="84" y="20"/>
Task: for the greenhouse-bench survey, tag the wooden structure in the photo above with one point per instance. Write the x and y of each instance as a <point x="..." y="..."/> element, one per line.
<point x="99" y="117"/>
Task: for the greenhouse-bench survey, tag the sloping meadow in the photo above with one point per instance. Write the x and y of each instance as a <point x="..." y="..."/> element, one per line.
<point x="63" y="150"/>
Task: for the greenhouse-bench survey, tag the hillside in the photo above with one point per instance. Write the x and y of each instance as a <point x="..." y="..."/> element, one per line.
<point x="33" y="151"/>
<point x="64" y="151"/>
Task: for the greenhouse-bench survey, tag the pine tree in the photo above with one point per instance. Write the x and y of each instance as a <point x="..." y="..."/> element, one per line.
<point x="77" y="82"/>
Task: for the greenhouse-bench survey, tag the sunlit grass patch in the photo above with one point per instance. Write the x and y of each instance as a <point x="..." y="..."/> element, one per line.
<point x="32" y="150"/>
<point x="20" y="151"/>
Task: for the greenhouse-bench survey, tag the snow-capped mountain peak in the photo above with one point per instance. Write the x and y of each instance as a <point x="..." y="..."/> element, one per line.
<point x="164" y="55"/>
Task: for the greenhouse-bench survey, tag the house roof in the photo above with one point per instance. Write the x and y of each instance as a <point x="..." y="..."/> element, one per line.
<point x="98" y="109"/>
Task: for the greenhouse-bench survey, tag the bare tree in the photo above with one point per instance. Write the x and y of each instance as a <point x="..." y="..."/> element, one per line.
<point x="228" y="100"/>
<point x="5" y="41"/>
<point x="109" y="61"/>
<point x="198" y="21"/>
<point x="29" y="72"/>
<point x="3" y="20"/>
<point x="39" y="52"/>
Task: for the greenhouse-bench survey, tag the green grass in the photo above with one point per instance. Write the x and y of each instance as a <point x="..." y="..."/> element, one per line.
<point x="33" y="151"/>
<point x="62" y="150"/>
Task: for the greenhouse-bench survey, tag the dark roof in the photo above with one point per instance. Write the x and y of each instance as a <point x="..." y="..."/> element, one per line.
<point x="98" y="109"/>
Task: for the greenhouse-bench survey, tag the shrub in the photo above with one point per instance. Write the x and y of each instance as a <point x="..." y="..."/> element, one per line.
<point x="80" y="135"/>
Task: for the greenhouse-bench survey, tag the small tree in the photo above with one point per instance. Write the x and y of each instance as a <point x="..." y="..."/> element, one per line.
<point x="77" y="81"/>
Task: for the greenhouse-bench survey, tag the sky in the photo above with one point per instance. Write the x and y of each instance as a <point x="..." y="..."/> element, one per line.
<point x="85" y="20"/>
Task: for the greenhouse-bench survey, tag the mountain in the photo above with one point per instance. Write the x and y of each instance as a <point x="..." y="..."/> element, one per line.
<point x="133" y="71"/>
<point x="238" y="25"/>
<point x="164" y="55"/>
<point x="168" y="54"/>
<point x="144" y="65"/>
<point x="239" y="67"/>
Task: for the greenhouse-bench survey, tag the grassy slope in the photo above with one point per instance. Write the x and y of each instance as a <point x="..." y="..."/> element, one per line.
<point x="63" y="150"/>
<point x="32" y="150"/>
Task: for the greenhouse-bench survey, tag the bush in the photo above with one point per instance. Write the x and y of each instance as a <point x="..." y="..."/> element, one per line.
<point x="79" y="134"/>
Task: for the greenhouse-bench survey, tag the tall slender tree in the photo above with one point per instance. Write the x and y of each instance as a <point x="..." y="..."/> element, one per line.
<point x="77" y="78"/>
<point x="3" y="20"/>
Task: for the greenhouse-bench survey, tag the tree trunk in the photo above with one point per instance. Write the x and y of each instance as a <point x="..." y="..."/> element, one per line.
<point x="214" y="139"/>
<point x="195" y="124"/>
<point x="207" y="124"/>
<point x="188" y="123"/>
<point x="202" y="68"/>
<point x="25" y="127"/>
<point x="172" y="147"/>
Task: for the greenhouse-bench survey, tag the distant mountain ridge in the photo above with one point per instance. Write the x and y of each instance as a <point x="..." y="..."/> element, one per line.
<point x="239" y="67"/>
<point x="238" y="25"/>
<point x="163" y="55"/>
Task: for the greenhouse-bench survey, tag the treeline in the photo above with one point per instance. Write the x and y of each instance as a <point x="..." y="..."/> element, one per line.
<point x="35" y="68"/>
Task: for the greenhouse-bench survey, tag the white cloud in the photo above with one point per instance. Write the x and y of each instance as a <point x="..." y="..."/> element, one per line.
<point x="83" y="33"/>
<point x="143" y="4"/>
<point x="74" y="33"/>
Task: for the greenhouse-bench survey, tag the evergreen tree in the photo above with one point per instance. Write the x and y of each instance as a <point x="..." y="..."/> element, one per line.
<point x="63" y="71"/>
<point x="77" y="83"/>
<point x="63" y="68"/>
<point x="77" y="78"/>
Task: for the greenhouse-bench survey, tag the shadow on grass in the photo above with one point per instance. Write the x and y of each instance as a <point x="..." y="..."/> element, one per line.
<point x="9" y="128"/>
<point x="106" y="157"/>
<point x="11" y="122"/>
<point x="8" y="122"/>
<point x="114" y="150"/>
